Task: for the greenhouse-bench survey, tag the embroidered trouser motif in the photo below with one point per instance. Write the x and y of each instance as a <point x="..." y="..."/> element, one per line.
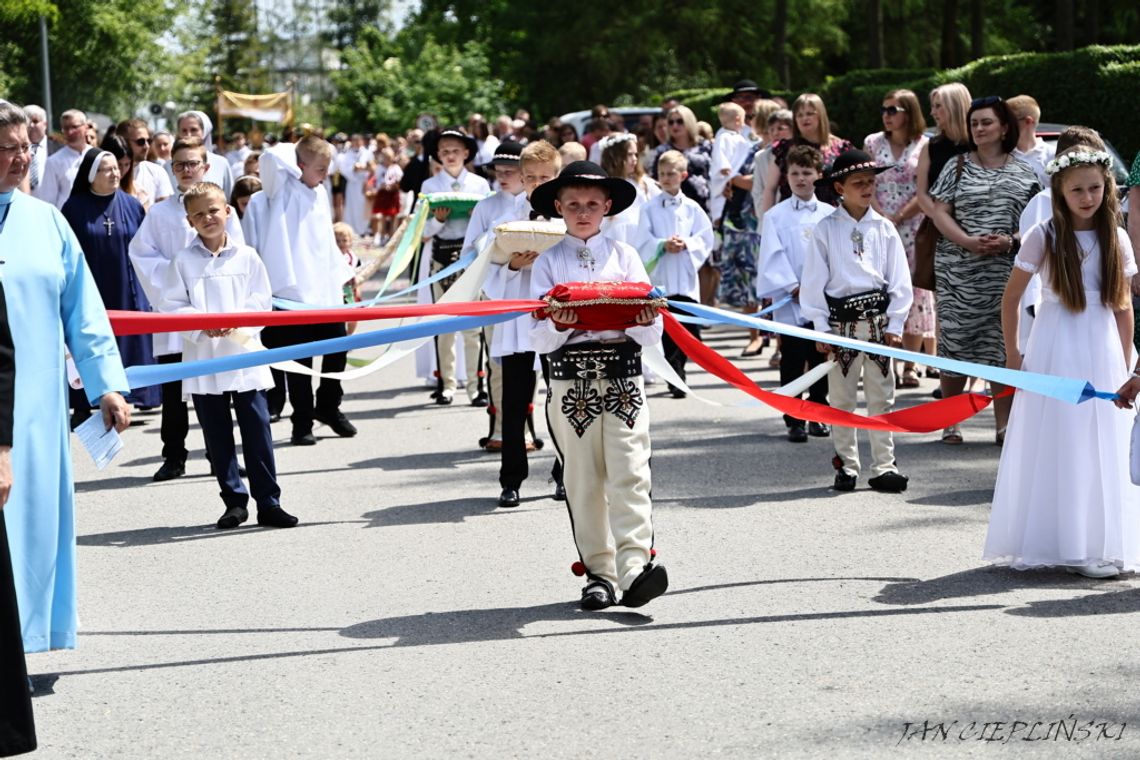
<point x="875" y="330"/>
<point x="601" y="430"/>
<point x="879" y="392"/>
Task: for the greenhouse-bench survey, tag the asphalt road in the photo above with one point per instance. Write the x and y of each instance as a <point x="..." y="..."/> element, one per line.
<point x="407" y="616"/>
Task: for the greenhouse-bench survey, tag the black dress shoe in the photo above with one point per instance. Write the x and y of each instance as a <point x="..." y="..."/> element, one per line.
<point x="677" y="392"/>
<point x="845" y="482"/>
<point x="509" y="497"/>
<point x="338" y="422"/>
<point x="171" y="469"/>
<point x="597" y="595"/>
<point x="275" y="417"/>
<point x="233" y="517"/>
<point x="648" y="586"/>
<point x="303" y="439"/>
<point x="797" y="434"/>
<point x="818" y="430"/>
<point x="889" y="482"/>
<point x="559" y="492"/>
<point x="481" y="400"/>
<point x="444" y="399"/>
<point x="275" y="517"/>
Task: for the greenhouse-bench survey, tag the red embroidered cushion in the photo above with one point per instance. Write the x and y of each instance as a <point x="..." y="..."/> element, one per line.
<point x="601" y="305"/>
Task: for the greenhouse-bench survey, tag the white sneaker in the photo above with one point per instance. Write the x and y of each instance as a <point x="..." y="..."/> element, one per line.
<point x="1102" y="569"/>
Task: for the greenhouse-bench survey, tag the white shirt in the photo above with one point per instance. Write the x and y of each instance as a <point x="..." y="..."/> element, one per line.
<point x="610" y="261"/>
<point x="198" y="282"/>
<point x="455" y="227"/>
<point x="662" y="218"/>
<point x="623" y="226"/>
<point x="487" y="213"/>
<point x="730" y="149"/>
<point x="832" y="267"/>
<point x="164" y="232"/>
<point x="153" y="180"/>
<point x="348" y="161"/>
<point x="785" y="243"/>
<point x="502" y="283"/>
<point x="59" y="175"/>
<point x="1037" y="157"/>
<point x="486" y="151"/>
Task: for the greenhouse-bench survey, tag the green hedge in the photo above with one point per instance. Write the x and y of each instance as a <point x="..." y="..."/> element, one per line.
<point x="1094" y="86"/>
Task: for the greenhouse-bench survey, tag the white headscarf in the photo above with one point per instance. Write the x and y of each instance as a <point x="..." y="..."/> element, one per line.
<point x="207" y="126"/>
<point x="95" y="165"/>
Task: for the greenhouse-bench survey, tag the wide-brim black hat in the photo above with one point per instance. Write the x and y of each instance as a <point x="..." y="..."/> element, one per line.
<point x="849" y="162"/>
<point x="622" y="194"/>
<point x="507" y="153"/>
<point x="456" y="134"/>
<point x="747" y="86"/>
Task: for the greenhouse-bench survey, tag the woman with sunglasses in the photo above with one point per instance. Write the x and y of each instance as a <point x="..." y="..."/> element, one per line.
<point x="682" y="134"/>
<point x="896" y="197"/>
<point x="811" y="127"/>
<point x="977" y="203"/>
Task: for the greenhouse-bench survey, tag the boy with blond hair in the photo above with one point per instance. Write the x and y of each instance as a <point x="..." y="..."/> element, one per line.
<point x="730" y="149"/>
<point x="1030" y="148"/>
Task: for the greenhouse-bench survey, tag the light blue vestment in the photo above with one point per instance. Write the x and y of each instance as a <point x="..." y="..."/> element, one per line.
<point x="52" y="299"/>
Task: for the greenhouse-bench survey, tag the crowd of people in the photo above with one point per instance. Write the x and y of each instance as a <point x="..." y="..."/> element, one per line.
<point x="983" y="244"/>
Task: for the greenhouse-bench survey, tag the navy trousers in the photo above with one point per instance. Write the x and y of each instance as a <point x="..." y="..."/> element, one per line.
<point x="252" y="411"/>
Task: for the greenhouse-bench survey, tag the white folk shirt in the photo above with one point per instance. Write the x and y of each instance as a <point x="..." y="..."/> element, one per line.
<point x="662" y="218"/>
<point x="503" y="284"/>
<point x="59" y="175"/>
<point x="489" y="212"/>
<point x="785" y="243"/>
<point x="200" y="282"/>
<point x="163" y="233"/>
<point x="833" y="267"/>
<point x="454" y="228"/>
<point x="610" y="261"/>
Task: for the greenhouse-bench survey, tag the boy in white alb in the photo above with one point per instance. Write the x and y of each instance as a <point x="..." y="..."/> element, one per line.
<point x="674" y="238"/>
<point x="595" y="408"/>
<point x="785" y="243"/>
<point x="856" y="283"/>
<point x="730" y="149"/>
<point x="510" y="344"/>
<point x="452" y="150"/>
<point x="217" y="274"/>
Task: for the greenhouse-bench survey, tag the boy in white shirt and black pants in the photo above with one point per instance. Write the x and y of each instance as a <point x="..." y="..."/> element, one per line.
<point x="784" y="246"/>
<point x="856" y="284"/>
<point x="675" y="238"/>
<point x="217" y="274"/>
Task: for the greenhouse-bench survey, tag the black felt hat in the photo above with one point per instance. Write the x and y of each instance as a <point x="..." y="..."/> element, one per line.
<point x="849" y="162"/>
<point x="580" y="173"/>
<point x="507" y="154"/>
<point x="747" y="86"/>
<point x="454" y="133"/>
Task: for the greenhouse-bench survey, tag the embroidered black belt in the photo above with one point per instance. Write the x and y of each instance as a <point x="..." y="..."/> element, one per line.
<point x="858" y="306"/>
<point x="596" y="361"/>
<point x="445" y="253"/>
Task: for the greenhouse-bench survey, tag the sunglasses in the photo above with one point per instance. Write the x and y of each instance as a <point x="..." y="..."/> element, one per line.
<point x="890" y="110"/>
<point x="671" y="122"/>
<point x="141" y="141"/>
<point x="989" y="100"/>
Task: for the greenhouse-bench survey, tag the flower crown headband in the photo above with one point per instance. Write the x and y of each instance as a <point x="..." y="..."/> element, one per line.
<point x="610" y="140"/>
<point x="1078" y="158"/>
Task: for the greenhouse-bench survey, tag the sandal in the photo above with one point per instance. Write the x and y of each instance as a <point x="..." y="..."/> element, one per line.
<point x="775" y="360"/>
<point x="999" y="437"/>
<point x="933" y="373"/>
<point x="754" y="348"/>
<point x="952" y="435"/>
<point x="910" y="378"/>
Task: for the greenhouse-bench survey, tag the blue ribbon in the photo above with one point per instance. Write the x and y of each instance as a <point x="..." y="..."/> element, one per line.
<point x="1067" y="389"/>
<point x="685" y="319"/>
<point x="155" y="374"/>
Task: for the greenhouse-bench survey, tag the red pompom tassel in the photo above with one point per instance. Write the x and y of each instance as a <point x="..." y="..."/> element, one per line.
<point x="578" y="568"/>
<point x="652" y="554"/>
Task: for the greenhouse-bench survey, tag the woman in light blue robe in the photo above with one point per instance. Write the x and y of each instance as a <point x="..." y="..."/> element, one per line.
<point x="54" y="307"/>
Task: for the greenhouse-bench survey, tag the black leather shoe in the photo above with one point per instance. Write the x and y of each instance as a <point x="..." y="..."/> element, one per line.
<point x="889" y="482"/>
<point x="481" y="400"/>
<point x="304" y="439"/>
<point x="233" y="517"/>
<point x="648" y="586"/>
<point x="444" y="399"/>
<point x="797" y="434"/>
<point x="818" y="430"/>
<point x="337" y="422"/>
<point x="171" y="469"/>
<point x="559" y="492"/>
<point x="845" y="482"/>
<point x="509" y="497"/>
<point x="597" y="595"/>
<point x="275" y="517"/>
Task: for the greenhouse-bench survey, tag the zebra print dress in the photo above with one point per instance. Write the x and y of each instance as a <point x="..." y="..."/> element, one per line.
<point x="970" y="287"/>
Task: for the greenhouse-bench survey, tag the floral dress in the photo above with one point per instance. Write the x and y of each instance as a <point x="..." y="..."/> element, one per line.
<point x="894" y="189"/>
<point x="741" y="232"/>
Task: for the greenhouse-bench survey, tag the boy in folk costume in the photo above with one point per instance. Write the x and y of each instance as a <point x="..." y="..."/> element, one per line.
<point x="675" y="238"/>
<point x="856" y="283"/>
<point x="539" y="163"/>
<point x="452" y="150"/>
<point x="785" y="244"/>
<point x="595" y="408"/>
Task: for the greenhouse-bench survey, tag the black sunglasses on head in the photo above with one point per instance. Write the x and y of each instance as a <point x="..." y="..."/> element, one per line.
<point x="989" y="100"/>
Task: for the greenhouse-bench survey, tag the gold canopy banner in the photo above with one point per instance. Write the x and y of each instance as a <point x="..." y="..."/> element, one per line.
<point x="275" y="107"/>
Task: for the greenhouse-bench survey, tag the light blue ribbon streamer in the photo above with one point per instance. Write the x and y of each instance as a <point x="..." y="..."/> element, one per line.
<point x="1067" y="389"/>
<point x="712" y="323"/>
<point x="141" y="376"/>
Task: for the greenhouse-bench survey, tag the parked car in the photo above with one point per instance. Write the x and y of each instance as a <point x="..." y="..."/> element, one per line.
<point x="631" y="115"/>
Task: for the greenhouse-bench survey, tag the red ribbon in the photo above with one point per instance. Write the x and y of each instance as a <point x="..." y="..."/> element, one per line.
<point x="923" y="418"/>
<point x="144" y="323"/>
